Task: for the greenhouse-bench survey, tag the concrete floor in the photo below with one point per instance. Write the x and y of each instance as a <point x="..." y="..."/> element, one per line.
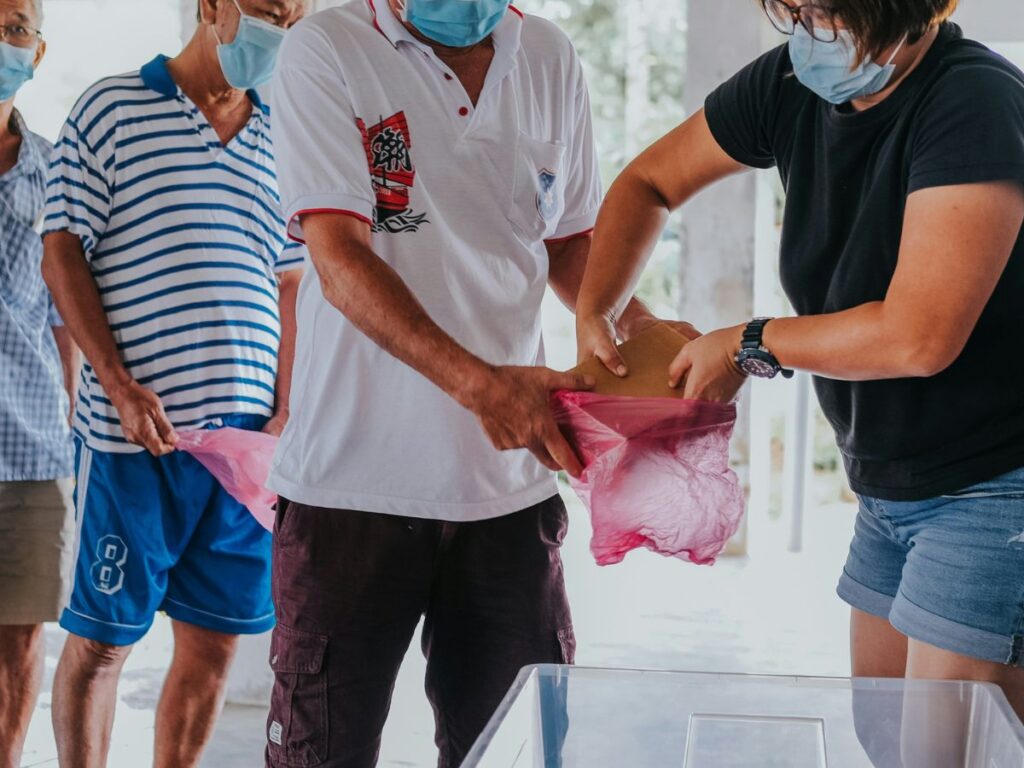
<point x="772" y="612"/>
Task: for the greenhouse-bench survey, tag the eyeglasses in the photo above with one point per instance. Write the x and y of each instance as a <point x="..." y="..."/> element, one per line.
<point x="19" y="35"/>
<point x="819" y="20"/>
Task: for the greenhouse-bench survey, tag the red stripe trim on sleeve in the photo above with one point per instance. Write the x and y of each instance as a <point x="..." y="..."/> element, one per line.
<point x="517" y="11"/>
<point x="338" y="211"/>
<point x="567" y="238"/>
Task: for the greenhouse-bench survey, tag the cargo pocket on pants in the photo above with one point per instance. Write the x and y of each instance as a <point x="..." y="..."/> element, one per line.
<point x="297" y="725"/>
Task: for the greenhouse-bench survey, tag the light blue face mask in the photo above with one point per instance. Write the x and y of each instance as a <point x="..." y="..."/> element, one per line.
<point x="16" y="68"/>
<point x="455" y="23"/>
<point x="248" y="61"/>
<point x="830" y="69"/>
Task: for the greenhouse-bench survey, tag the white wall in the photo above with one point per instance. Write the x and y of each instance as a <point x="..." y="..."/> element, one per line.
<point x="992" y="21"/>
<point x="90" y="39"/>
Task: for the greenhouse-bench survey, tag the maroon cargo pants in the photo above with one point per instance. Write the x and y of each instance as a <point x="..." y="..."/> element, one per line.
<point x="350" y="588"/>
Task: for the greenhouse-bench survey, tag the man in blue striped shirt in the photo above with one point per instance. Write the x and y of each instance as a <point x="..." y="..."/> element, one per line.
<point x="37" y="528"/>
<point x="167" y="257"/>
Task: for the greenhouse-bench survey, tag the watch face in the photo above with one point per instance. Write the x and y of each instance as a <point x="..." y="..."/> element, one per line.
<point x="756" y="366"/>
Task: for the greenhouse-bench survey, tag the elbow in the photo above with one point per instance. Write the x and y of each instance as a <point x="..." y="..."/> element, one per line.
<point x="334" y="293"/>
<point x="655" y="193"/>
<point x="928" y="355"/>
<point x="636" y="183"/>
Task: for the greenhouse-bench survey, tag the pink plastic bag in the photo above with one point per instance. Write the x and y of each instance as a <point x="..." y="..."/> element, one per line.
<point x="656" y="473"/>
<point x="240" y="460"/>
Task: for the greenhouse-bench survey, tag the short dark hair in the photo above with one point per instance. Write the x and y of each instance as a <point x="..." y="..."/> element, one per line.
<point x="879" y="24"/>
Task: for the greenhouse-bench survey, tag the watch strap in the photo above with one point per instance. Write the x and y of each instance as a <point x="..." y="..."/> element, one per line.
<point x="753" y="339"/>
<point x="753" y="334"/>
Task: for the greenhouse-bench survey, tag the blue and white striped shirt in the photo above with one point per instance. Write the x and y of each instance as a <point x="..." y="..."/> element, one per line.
<point x="34" y="439"/>
<point x="183" y="236"/>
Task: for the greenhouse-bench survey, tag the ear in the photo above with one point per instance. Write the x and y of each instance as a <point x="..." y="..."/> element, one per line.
<point x="40" y="52"/>
<point x="207" y="11"/>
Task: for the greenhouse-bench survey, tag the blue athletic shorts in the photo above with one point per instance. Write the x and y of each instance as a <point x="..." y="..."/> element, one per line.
<point x="161" y="534"/>
<point x="947" y="571"/>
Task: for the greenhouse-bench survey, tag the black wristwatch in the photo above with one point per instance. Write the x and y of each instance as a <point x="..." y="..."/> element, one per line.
<point x="754" y="359"/>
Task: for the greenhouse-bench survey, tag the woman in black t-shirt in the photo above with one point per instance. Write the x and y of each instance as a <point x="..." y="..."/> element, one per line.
<point x="901" y="147"/>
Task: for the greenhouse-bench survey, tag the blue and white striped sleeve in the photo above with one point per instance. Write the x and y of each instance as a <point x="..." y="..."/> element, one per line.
<point x="78" y="190"/>
<point x="292" y="257"/>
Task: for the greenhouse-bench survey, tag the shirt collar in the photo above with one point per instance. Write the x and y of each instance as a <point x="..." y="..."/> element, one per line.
<point x="507" y="36"/>
<point x="157" y="77"/>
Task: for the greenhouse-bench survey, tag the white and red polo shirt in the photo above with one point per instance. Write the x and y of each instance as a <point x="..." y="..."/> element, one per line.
<point x="371" y="123"/>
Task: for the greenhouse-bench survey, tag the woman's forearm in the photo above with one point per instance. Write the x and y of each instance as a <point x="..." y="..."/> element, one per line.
<point x="568" y="263"/>
<point x="628" y="228"/>
<point x="865" y="343"/>
<point x="956" y="244"/>
<point x="637" y="208"/>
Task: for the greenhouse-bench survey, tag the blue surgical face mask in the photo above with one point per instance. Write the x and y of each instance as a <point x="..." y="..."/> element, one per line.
<point x="455" y="23"/>
<point x="248" y="61"/>
<point x="831" y="69"/>
<point x="17" y="67"/>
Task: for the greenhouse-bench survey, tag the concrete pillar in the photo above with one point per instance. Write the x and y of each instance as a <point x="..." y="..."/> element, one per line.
<point x="718" y="228"/>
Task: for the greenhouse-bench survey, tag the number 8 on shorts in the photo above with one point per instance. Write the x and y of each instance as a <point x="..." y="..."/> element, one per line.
<point x="107" y="573"/>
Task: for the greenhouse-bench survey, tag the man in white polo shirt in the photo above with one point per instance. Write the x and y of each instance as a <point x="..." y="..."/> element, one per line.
<point x="437" y="157"/>
<point x="165" y="249"/>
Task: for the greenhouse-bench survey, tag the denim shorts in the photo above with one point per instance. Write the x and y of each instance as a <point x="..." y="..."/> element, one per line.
<point x="947" y="571"/>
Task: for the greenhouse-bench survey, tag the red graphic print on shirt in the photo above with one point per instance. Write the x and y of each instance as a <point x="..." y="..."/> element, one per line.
<point x="388" y="145"/>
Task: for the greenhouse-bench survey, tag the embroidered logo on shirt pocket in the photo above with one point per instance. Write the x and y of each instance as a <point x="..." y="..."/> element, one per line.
<point x="297" y="730"/>
<point x="538" y="190"/>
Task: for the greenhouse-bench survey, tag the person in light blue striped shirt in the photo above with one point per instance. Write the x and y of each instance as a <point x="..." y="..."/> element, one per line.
<point x="166" y="252"/>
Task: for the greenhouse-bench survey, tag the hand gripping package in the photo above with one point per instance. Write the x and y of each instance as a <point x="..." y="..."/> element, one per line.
<point x="656" y="466"/>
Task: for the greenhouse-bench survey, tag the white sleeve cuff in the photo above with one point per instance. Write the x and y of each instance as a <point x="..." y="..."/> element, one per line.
<point x="348" y="205"/>
<point x="569" y="228"/>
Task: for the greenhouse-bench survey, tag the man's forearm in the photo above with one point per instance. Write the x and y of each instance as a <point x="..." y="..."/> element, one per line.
<point x="289" y="289"/>
<point x="567" y="264"/>
<point x="70" y="360"/>
<point x="377" y="301"/>
<point x="78" y="301"/>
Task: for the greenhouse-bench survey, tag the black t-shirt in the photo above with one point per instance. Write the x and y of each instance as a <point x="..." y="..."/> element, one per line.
<point x="957" y="119"/>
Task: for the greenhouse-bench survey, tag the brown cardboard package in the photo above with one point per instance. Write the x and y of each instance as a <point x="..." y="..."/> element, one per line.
<point x="648" y="356"/>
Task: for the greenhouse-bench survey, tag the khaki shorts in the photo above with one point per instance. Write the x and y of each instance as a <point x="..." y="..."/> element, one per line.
<point x="37" y="543"/>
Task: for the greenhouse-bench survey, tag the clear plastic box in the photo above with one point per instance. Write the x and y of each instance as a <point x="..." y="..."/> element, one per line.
<point x="572" y="717"/>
